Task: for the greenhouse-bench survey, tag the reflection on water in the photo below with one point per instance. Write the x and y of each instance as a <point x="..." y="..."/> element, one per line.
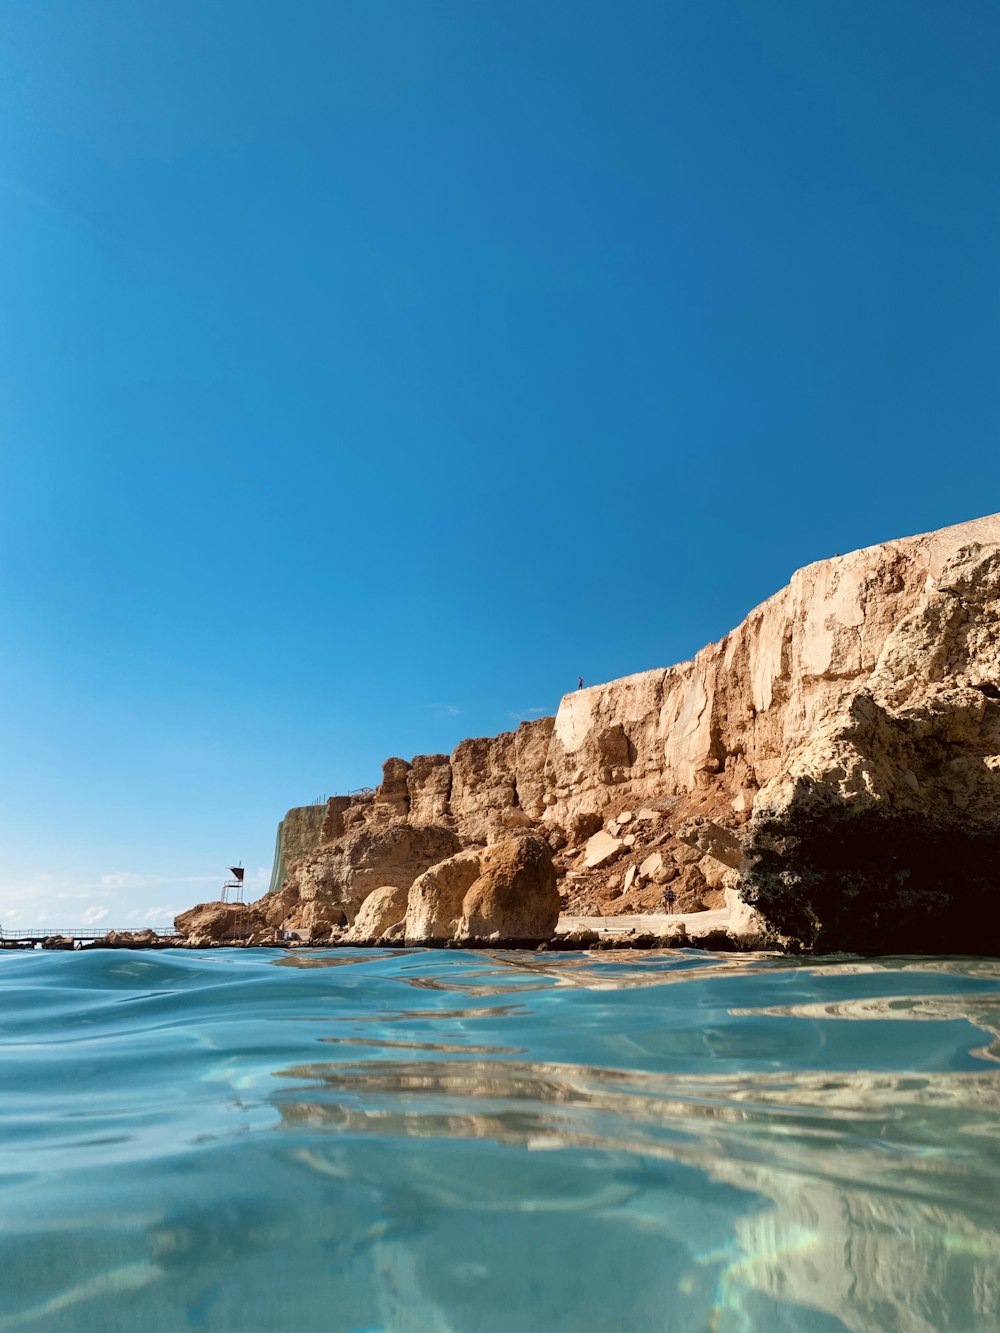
<point x="665" y="1141"/>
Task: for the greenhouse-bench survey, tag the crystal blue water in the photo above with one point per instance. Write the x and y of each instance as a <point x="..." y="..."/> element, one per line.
<point x="464" y="1142"/>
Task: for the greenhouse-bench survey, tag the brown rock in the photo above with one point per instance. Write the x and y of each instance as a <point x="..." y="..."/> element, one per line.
<point x="715" y="874"/>
<point x="128" y="939"/>
<point x="583" y="826"/>
<point x="392" y="797"/>
<point x="710" y="839"/>
<point x="575" y="939"/>
<point x="335" y="879"/>
<point x="515" y="897"/>
<point x="601" y="850"/>
<point x="333" y="821"/>
<point x="434" y="903"/>
<point x="889" y="818"/>
<point x="380" y="911"/>
<point x="219" y="921"/>
<point x="484" y="783"/>
<point x="657" y="868"/>
<point x="428" y="783"/>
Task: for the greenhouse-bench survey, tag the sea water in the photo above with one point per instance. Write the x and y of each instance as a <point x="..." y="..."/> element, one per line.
<point x="452" y="1142"/>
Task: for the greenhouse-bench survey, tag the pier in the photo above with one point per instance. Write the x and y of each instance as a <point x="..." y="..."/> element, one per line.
<point x="38" y="937"/>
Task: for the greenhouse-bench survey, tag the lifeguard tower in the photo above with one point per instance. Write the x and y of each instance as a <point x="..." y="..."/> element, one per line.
<point x="232" y="890"/>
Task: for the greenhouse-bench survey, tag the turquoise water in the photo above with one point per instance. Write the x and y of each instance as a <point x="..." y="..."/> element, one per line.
<point x="467" y="1142"/>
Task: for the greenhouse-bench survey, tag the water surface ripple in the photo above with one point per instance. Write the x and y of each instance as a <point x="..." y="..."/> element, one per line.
<point x="424" y="1141"/>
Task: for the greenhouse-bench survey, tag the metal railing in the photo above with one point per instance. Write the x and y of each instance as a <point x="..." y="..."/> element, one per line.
<point x="77" y="933"/>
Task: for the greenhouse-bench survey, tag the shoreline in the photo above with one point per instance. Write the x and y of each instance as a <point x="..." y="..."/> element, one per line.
<point x="635" y="931"/>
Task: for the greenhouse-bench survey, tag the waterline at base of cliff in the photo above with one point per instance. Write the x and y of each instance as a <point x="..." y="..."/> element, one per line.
<point x="436" y="1141"/>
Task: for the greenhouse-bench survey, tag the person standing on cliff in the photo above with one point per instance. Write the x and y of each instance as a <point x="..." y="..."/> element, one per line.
<point x="579" y="682"/>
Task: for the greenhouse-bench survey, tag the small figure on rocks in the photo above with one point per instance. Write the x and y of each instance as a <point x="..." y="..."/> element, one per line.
<point x="669" y="898"/>
<point x="579" y="682"/>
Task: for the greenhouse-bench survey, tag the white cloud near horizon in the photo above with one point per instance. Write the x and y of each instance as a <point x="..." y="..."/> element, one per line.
<point x="126" y="879"/>
<point x="121" y="879"/>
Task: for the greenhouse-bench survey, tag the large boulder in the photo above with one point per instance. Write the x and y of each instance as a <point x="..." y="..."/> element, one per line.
<point x="515" y="899"/>
<point x="434" y="905"/>
<point x="601" y="850"/>
<point x="380" y="911"/>
<point x="710" y="839"/>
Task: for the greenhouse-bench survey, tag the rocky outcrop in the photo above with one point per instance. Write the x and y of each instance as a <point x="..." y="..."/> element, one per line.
<point x="131" y="939"/>
<point x="831" y="764"/>
<point x="331" y="882"/>
<point x="214" y="923"/>
<point x="428" y="785"/>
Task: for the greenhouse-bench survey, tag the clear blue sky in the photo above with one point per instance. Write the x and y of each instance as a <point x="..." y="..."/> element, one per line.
<point x="371" y="370"/>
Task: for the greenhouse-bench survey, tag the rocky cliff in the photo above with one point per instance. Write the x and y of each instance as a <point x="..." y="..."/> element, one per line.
<point x="833" y="764"/>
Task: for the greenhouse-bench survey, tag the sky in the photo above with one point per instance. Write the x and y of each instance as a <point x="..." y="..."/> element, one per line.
<point x="370" y="370"/>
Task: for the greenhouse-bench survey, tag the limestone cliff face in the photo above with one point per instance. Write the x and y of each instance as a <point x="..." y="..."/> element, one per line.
<point x="298" y="833"/>
<point x="736" y="712"/>
<point x="885" y="824"/>
<point x="859" y="706"/>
